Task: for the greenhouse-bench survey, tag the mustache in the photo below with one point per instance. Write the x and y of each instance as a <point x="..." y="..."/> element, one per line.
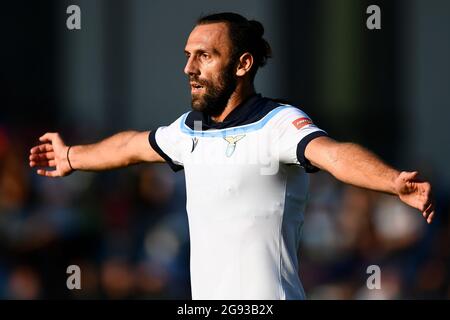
<point x="196" y="79"/>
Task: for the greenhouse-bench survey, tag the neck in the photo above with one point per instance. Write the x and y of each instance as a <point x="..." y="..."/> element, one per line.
<point x="239" y="95"/>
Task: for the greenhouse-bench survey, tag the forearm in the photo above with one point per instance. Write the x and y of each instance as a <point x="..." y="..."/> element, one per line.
<point x="358" y="166"/>
<point x="109" y="153"/>
<point x="352" y="164"/>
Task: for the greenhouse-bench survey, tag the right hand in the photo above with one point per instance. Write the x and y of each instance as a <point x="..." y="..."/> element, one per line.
<point x="52" y="153"/>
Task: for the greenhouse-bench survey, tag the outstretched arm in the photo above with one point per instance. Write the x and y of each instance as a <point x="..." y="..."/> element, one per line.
<point x="355" y="165"/>
<point x="120" y="150"/>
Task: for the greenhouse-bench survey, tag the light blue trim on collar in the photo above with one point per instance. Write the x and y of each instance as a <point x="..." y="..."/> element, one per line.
<point x="214" y="133"/>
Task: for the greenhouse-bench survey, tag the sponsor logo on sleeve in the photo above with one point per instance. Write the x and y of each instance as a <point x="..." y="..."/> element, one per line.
<point x="301" y="122"/>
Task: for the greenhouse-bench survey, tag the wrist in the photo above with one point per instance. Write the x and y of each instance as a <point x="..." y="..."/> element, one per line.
<point x="394" y="182"/>
<point x="68" y="158"/>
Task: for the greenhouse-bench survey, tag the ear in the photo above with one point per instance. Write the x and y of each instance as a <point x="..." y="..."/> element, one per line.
<point x="244" y="65"/>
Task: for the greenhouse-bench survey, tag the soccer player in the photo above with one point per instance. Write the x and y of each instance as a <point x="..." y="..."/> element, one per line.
<point x="246" y="159"/>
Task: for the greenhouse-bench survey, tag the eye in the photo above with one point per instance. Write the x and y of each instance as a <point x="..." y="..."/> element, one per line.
<point x="205" y="56"/>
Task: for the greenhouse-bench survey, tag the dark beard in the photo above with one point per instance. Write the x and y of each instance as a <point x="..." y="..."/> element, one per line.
<point x="216" y="97"/>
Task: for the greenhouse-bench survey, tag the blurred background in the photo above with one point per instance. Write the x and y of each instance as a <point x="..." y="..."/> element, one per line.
<point x="127" y="229"/>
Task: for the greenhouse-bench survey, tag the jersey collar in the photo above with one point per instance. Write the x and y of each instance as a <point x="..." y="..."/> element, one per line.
<point x="251" y="110"/>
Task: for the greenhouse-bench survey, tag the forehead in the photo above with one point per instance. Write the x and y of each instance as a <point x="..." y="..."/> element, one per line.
<point x="209" y="37"/>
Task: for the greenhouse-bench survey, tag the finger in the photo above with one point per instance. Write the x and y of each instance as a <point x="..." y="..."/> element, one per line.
<point x="41" y="148"/>
<point x="425" y="194"/>
<point x="42" y="162"/>
<point x="33" y="157"/>
<point x="430" y="217"/>
<point x="49" y="136"/>
<point x="425" y="187"/>
<point x="42" y="156"/>
<point x="427" y="212"/>
<point x="51" y="163"/>
<point x="426" y="207"/>
<point x="47" y="173"/>
<point x="423" y="202"/>
<point x="409" y="175"/>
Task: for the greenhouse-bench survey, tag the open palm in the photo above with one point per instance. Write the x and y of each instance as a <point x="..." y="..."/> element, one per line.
<point x="52" y="153"/>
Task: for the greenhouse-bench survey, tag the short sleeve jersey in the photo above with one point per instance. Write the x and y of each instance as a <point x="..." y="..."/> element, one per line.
<point x="247" y="187"/>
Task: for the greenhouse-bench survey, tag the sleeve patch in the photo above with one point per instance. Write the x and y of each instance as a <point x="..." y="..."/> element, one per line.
<point x="301" y="122"/>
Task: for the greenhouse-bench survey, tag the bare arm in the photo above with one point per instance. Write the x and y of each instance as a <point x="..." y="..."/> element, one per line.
<point x="120" y="150"/>
<point x="356" y="165"/>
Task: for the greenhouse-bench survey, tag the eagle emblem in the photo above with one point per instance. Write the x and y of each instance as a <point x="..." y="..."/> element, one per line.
<point x="232" y="140"/>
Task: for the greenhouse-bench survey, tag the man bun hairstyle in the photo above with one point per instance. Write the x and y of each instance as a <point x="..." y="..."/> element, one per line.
<point x="246" y="36"/>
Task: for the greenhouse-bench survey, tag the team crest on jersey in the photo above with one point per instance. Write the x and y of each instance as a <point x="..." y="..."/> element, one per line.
<point x="232" y="140"/>
<point x="301" y="122"/>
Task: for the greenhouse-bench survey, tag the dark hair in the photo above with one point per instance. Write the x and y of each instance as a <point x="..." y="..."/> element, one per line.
<point x="246" y="36"/>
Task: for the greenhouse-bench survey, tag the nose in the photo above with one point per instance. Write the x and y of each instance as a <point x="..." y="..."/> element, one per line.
<point x="191" y="67"/>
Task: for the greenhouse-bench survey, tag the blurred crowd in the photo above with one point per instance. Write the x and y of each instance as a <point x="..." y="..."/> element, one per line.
<point x="348" y="229"/>
<point x="127" y="230"/>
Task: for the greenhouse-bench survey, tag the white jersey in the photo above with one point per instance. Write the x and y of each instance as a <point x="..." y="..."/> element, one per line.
<point x="247" y="188"/>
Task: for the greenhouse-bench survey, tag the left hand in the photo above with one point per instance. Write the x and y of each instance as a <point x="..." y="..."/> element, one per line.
<point x="416" y="193"/>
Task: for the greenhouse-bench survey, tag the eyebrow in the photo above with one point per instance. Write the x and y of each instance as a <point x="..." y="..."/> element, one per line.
<point x="213" y="51"/>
